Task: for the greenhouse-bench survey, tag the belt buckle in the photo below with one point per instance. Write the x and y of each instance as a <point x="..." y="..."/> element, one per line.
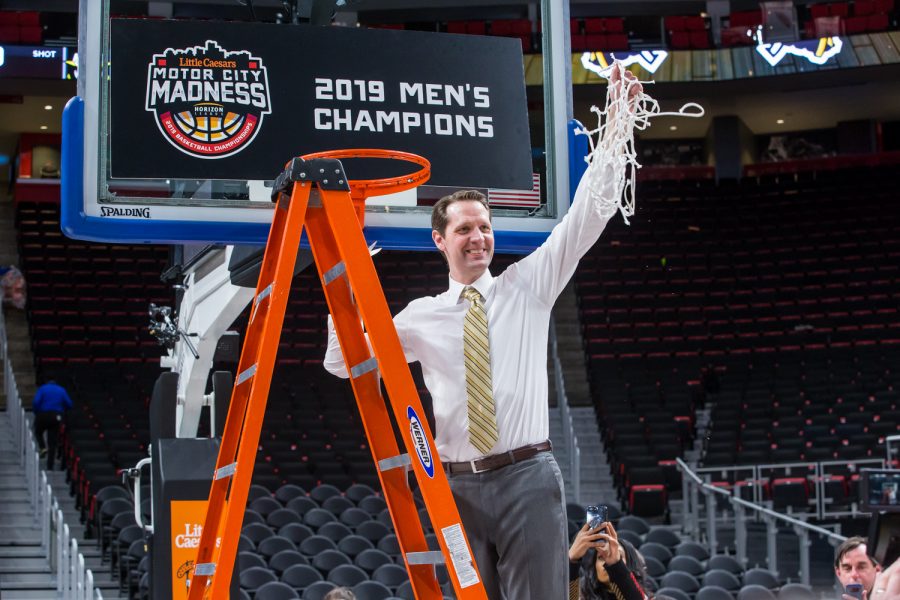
<point x="476" y="469"/>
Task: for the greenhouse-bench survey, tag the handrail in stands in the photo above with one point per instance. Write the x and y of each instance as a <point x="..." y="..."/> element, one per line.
<point x="73" y="580"/>
<point x="568" y="427"/>
<point x="825" y="163"/>
<point x="693" y="485"/>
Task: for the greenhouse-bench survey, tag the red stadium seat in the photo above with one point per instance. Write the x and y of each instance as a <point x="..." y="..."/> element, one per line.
<point x="735" y="36"/>
<point x="456" y="27"/>
<point x="790" y="492"/>
<point x="595" y="41"/>
<point x="615" y="25"/>
<point x="819" y="10"/>
<point x="839" y="9"/>
<point x="32" y="35"/>
<point x="579" y="43"/>
<point x="879" y="22"/>
<point x="9" y="34"/>
<point x="617" y="41"/>
<point x="680" y="40"/>
<point x="30" y="19"/>
<point x="501" y="27"/>
<point x="476" y="27"/>
<point x="648" y="500"/>
<point x="695" y="23"/>
<point x="862" y="8"/>
<point x="574" y="27"/>
<point x="595" y="25"/>
<point x="856" y="25"/>
<point x="700" y="40"/>
<point x="674" y="23"/>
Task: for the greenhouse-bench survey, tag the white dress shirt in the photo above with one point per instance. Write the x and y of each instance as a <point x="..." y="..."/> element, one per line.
<point x="518" y="304"/>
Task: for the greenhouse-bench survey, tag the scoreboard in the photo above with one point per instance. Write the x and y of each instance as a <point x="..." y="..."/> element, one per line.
<point x="38" y="62"/>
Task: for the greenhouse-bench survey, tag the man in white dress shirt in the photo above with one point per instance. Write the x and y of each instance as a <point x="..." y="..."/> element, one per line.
<point x="506" y="483"/>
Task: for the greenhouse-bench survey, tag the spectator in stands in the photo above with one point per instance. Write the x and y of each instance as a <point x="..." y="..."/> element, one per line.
<point x="12" y="287"/>
<point x="51" y="401"/>
<point x="853" y="564"/>
<point x="603" y="567"/>
<point x="482" y="345"/>
<point x="340" y="593"/>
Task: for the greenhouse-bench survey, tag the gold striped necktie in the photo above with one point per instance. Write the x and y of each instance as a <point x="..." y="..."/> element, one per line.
<point x="476" y="347"/>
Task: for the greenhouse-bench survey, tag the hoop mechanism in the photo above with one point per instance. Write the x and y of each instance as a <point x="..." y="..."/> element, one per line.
<point x="326" y="170"/>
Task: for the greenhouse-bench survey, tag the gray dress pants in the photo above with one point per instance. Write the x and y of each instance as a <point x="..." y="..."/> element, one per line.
<point x="515" y="520"/>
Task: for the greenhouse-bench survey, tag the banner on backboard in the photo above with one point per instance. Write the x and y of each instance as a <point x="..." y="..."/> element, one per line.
<point x="203" y="100"/>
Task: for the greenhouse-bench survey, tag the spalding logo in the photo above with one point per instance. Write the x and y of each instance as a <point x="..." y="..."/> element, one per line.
<point x="417" y="432"/>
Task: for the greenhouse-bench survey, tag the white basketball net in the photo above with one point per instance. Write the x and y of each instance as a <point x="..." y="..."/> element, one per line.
<point x="612" y="143"/>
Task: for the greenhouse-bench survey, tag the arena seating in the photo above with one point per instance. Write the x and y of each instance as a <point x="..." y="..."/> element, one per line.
<point x="21" y="27"/>
<point x="713" y="292"/>
<point x="775" y="282"/>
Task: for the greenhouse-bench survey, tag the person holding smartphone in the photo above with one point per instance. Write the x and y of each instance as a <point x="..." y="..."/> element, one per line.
<point x="603" y="567"/>
<point x="855" y="569"/>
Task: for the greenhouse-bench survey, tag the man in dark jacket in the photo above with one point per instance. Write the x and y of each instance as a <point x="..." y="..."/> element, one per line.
<point x="50" y="404"/>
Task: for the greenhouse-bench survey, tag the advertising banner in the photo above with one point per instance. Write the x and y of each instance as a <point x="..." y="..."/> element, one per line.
<point x="208" y="100"/>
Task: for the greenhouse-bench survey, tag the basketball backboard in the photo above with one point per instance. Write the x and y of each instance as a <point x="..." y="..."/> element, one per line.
<point x="179" y="126"/>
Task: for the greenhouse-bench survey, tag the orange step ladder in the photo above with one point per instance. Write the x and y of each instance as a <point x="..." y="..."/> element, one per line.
<point x="314" y="193"/>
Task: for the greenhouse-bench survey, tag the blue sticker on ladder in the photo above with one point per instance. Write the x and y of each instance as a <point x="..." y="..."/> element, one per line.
<point x="420" y="441"/>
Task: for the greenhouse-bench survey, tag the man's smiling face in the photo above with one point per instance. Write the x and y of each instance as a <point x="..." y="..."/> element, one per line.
<point x="467" y="241"/>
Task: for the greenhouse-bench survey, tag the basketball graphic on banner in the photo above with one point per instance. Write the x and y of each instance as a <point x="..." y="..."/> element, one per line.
<point x="208" y="102"/>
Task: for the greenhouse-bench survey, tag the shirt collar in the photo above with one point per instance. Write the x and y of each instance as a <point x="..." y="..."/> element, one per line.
<point x="483" y="284"/>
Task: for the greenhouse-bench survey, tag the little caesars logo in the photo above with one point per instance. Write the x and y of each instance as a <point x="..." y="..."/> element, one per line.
<point x="208" y="102"/>
<point x="190" y="538"/>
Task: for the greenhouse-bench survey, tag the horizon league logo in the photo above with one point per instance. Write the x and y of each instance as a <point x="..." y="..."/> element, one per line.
<point x="208" y="102"/>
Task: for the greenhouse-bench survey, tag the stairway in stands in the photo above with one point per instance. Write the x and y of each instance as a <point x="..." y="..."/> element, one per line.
<point x="597" y="486"/>
<point x="25" y="571"/>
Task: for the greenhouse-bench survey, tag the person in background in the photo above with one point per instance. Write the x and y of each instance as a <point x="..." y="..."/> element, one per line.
<point x="603" y="567"/>
<point x="852" y="564"/>
<point x="340" y="593"/>
<point x="51" y="401"/>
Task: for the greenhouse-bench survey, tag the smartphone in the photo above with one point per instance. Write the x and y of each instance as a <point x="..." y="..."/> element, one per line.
<point x="597" y="515"/>
<point x="855" y="590"/>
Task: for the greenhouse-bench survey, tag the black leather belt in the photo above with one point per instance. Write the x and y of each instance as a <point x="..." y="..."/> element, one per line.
<point x="496" y="461"/>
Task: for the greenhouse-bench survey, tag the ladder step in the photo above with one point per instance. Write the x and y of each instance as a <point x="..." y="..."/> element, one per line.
<point x="394" y="462"/>
<point x="226" y="471"/>
<point x="259" y="298"/>
<point x="432" y="557"/>
<point x="262" y="295"/>
<point x="364" y="367"/>
<point x="333" y="273"/>
<point x="246" y="375"/>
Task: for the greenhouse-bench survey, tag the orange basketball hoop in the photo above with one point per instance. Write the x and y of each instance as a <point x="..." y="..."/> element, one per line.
<point x="360" y="189"/>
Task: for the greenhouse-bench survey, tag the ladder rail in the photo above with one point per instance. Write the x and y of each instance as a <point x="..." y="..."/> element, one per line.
<point x="243" y="424"/>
